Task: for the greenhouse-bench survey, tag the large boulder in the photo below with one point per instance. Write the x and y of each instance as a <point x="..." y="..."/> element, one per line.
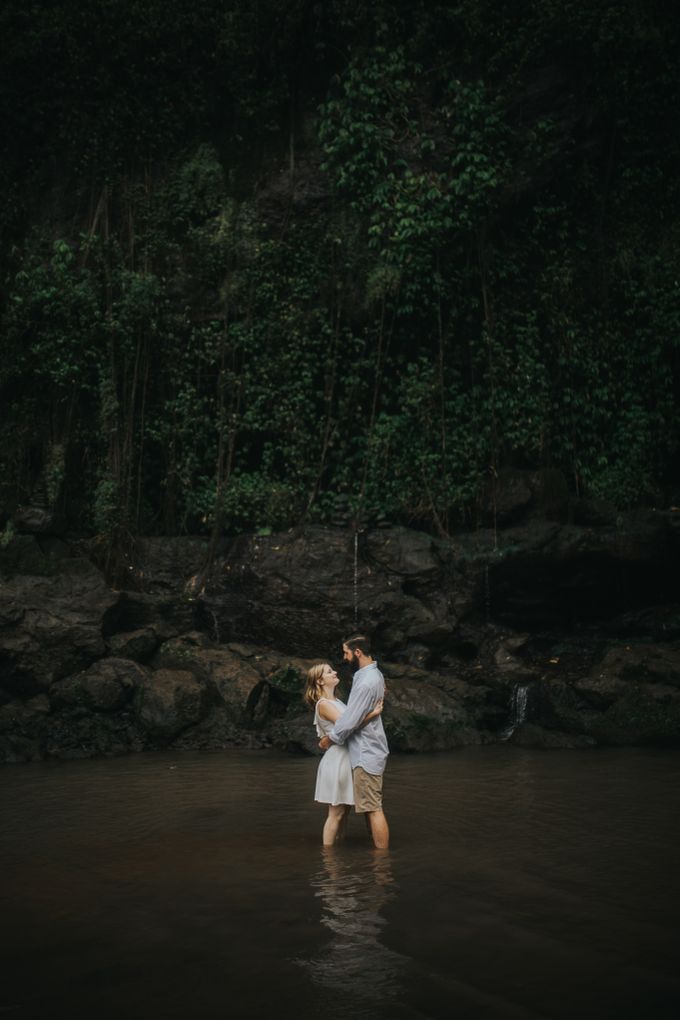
<point x="138" y="645"/>
<point x="636" y="689"/>
<point x="51" y="626"/>
<point x="168" y="701"/>
<point x="420" y="716"/>
<point x="23" y="727"/>
<point x="104" y="687"/>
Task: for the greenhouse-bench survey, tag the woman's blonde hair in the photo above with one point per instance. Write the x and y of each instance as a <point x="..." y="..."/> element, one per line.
<point x="313" y="686"/>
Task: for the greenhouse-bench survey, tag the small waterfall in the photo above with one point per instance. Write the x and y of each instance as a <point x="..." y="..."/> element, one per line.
<point x="487" y="594"/>
<point x="216" y="625"/>
<point x="518" y="709"/>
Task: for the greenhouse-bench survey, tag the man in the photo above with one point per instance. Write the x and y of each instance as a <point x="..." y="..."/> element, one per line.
<point x="367" y="745"/>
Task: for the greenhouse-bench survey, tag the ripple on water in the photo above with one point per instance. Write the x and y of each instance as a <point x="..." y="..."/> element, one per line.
<point x="519" y="884"/>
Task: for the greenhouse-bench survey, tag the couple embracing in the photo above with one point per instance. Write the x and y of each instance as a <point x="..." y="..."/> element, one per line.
<point x="352" y="735"/>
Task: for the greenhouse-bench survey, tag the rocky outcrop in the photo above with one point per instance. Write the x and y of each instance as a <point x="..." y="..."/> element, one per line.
<point x="50" y="625"/>
<point x="580" y="618"/>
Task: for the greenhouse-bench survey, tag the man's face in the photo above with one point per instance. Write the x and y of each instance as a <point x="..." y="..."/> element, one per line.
<point x="347" y="654"/>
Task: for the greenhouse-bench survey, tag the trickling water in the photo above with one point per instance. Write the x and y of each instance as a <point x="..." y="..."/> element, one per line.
<point x="216" y="625"/>
<point x="487" y="594"/>
<point x="518" y="709"/>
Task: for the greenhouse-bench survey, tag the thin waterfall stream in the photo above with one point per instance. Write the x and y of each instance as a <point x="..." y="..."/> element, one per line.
<point x="518" y="709"/>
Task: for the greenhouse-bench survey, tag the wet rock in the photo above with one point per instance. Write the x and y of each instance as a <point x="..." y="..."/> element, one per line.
<point x="23" y="555"/>
<point x="75" y="732"/>
<point x="295" y="735"/>
<point x="636" y="689"/>
<point x="135" y="644"/>
<point x="649" y="715"/>
<point x="629" y="666"/>
<point x="419" y="716"/>
<point x="558" y="706"/>
<point x="168" y="565"/>
<point x="104" y="687"/>
<point x="459" y="621"/>
<point x="165" y="615"/>
<point x="217" y="731"/>
<point x="168" y="701"/>
<point x="18" y="714"/>
<point x="51" y="627"/>
<point x="532" y="735"/>
<point x="38" y="520"/>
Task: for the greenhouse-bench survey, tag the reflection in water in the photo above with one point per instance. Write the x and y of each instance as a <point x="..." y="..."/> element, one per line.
<point x="521" y="884"/>
<point x="355" y="964"/>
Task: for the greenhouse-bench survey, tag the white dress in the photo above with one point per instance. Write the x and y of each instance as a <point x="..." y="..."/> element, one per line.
<point x="334" y="777"/>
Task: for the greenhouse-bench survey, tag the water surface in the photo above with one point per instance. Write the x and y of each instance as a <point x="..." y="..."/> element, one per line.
<point x="519" y="884"/>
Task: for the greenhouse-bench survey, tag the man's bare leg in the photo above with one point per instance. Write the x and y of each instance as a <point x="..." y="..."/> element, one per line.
<point x="379" y="829"/>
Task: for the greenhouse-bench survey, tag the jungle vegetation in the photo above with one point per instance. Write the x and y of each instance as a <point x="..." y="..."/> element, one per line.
<point x="272" y="262"/>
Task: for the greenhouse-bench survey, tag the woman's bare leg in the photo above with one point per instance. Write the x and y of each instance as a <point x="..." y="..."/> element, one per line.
<point x="342" y="828"/>
<point x="336" y="813"/>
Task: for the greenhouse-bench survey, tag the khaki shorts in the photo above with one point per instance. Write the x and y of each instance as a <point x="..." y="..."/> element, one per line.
<point x="367" y="791"/>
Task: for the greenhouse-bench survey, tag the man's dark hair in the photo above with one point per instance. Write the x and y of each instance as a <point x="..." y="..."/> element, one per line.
<point x="360" y="641"/>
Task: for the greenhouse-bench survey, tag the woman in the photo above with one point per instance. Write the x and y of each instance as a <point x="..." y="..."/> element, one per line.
<point x="334" y="777"/>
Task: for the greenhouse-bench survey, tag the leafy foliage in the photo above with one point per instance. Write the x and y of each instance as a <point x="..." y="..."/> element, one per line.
<point x="274" y="263"/>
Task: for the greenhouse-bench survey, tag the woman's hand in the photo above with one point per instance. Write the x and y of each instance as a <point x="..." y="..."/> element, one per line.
<point x="377" y="710"/>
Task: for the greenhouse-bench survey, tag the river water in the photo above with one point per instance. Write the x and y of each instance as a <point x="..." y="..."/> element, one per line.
<point x="520" y="884"/>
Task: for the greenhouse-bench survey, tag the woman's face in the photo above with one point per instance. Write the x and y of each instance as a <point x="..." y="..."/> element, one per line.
<point x="329" y="678"/>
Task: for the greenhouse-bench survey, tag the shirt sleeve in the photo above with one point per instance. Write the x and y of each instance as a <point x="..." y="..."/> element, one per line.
<point x="361" y="701"/>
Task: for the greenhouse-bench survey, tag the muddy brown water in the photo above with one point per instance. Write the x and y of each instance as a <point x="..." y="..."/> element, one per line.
<point x="519" y="884"/>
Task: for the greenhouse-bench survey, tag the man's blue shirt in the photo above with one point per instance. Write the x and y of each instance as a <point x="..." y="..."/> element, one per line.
<point x="367" y="745"/>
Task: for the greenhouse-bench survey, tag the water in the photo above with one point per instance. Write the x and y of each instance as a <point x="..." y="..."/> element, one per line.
<point x="520" y="884"/>
<point x="518" y="709"/>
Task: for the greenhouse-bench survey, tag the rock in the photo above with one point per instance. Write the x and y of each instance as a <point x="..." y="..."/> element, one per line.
<point x="134" y="644"/>
<point x="252" y="684"/>
<point x="168" y="565"/>
<point x="38" y="521"/>
<point x="455" y="624"/>
<point x="104" y="687"/>
<point x="22" y="555"/>
<point x="295" y="735"/>
<point x="74" y="732"/>
<point x="627" y="666"/>
<point x="231" y="678"/>
<point x="165" y="615"/>
<point x="168" y="701"/>
<point x="641" y="716"/>
<point x="532" y="735"/>
<point x="217" y="731"/>
<point x="558" y="706"/>
<point x="597" y="512"/>
<point x="419" y="716"/>
<point x="508" y="497"/>
<point x="24" y="717"/>
<point x="506" y="660"/>
<point x="636" y="689"/>
<point x="51" y="627"/>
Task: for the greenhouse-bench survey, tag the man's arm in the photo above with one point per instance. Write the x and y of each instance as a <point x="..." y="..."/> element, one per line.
<point x="361" y="702"/>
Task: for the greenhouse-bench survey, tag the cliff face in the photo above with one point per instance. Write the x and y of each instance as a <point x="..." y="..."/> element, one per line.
<point x="545" y="634"/>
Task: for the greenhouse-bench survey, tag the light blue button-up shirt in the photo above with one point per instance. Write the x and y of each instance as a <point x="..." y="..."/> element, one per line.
<point x="367" y="745"/>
